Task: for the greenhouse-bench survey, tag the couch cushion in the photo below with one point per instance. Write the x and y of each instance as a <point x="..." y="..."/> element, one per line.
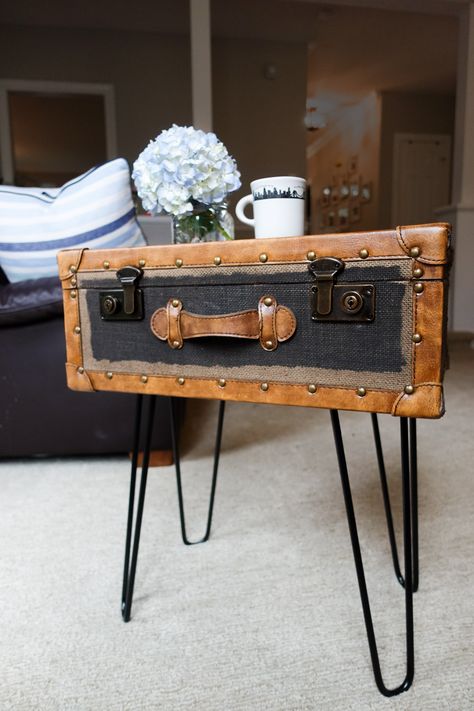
<point x="30" y="301"/>
<point x="94" y="210"/>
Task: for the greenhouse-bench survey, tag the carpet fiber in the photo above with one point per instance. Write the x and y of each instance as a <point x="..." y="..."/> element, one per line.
<point x="266" y="616"/>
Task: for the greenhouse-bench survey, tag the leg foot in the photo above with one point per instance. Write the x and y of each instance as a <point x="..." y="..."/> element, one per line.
<point x="176" y="455"/>
<point x="408" y="563"/>
<point x="130" y="566"/>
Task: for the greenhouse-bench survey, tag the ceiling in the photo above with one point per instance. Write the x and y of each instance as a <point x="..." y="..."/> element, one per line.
<point x="355" y="45"/>
<point x="290" y="20"/>
<point x="360" y="50"/>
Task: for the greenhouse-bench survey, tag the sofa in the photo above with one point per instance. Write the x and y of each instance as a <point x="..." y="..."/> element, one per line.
<point x="39" y="415"/>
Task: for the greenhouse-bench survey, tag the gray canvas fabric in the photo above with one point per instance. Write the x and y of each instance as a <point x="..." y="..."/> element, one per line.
<point x="377" y="353"/>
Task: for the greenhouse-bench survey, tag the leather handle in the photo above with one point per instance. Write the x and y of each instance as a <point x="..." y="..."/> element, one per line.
<point x="270" y="324"/>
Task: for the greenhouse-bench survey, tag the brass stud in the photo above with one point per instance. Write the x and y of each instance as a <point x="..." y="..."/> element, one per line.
<point x="73" y="281"/>
<point x="144" y="378"/>
<point x="77" y="329"/>
<point x="363" y="253"/>
<point x="217" y="261"/>
<point x="221" y="383"/>
<point x="311" y="256"/>
<point x="175" y="303"/>
<point x="409" y="389"/>
<point x="141" y="262"/>
<point x="418" y="287"/>
<point x="73" y="269"/>
<point x="269" y="344"/>
<point x="418" y="272"/>
<point x="179" y="262"/>
<point x="416" y="338"/>
<point x="263" y="257"/>
<point x="268" y="301"/>
<point x="80" y="370"/>
<point x="180" y="381"/>
<point x="73" y="294"/>
<point x="415" y="252"/>
<point x="176" y="344"/>
<point x="264" y="387"/>
<point x="312" y="388"/>
<point x="109" y="374"/>
<point x="361" y="392"/>
<point x="106" y="265"/>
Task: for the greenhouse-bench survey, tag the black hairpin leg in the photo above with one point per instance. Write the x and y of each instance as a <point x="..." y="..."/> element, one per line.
<point x="387" y="505"/>
<point x="406" y="451"/>
<point x="176" y="455"/>
<point x="130" y="563"/>
<point x="131" y="567"/>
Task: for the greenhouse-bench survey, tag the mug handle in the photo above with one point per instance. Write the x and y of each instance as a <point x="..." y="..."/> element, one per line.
<point x="239" y="210"/>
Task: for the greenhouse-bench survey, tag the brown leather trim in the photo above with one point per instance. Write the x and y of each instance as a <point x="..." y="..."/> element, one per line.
<point x="422" y="405"/>
<point x="271" y="324"/>
<point x="427" y="398"/>
<point x="431" y="240"/>
<point x="285" y="323"/>
<point x="173" y="324"/>
<point x="430" y="271"/>
<point x="71" y="323"/>
<point x="428" y="324"/>
<point x="267" y="323"/>
<point x="78" y="379"/>
<point x="67" y="258"/>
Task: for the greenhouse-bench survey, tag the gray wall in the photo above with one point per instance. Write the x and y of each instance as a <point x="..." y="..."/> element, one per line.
<point x="259" y="120"/>
<point x="150" y="72"/>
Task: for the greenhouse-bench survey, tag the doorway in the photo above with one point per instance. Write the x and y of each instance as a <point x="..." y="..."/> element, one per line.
<point x="421" y="177"/>
<point x="51" y="132"/>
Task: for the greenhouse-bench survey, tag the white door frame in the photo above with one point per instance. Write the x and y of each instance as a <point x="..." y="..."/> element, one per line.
<point x="398" y="138"/>
<point x="54" y="87"/>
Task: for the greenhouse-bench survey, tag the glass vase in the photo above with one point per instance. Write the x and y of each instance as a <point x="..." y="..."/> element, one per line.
<point x="207" y="223"/>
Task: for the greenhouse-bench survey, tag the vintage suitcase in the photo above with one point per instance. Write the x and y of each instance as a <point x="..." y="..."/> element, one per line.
<point x="345" y="321"/>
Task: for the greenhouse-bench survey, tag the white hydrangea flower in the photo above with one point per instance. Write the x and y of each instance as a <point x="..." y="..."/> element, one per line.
<point x="181" y="166"/>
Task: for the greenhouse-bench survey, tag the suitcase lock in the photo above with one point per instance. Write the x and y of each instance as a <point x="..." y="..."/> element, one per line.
<point x="125" y="304"/>
<point x="339" y="302"/>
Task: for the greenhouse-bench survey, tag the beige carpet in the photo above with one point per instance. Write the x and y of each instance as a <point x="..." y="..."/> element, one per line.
<point x="264" y="617"/>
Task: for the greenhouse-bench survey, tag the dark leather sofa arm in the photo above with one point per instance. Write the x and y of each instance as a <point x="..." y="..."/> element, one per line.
<point x="30" y="301"/>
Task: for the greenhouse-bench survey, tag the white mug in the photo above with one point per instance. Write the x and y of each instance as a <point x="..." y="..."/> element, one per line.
<point x="278" y="206"/>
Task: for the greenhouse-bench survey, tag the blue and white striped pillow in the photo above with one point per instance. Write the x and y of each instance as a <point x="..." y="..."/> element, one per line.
<point x="94" y="210"/>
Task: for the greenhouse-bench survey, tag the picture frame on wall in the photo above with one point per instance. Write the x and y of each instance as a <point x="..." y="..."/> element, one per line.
<point x="354" y="212"/>
<point x="326" y="195"/>
<point x="366" y="192"/>
<point x="354" y="184"/>
<point x="331" y="218"/>
<point x="344" y="190"/>
<point x="343" y="217"/>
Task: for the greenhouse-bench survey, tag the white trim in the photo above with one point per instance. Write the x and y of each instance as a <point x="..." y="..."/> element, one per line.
<point x="56" y="87"/>
<point x="201" y="63"/>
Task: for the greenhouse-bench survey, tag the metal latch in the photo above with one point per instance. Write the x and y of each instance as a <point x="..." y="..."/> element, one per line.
<point x="339" y="302"/>
<point x="324" y="270"/>
<point x="125" y="304"/>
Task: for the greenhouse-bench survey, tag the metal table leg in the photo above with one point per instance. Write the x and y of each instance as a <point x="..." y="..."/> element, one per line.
<point x="134" y="528"/>
<point x="407" y="452"/>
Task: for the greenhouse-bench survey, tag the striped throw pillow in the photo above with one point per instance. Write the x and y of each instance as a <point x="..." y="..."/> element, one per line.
<point x="94" y="210"/>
